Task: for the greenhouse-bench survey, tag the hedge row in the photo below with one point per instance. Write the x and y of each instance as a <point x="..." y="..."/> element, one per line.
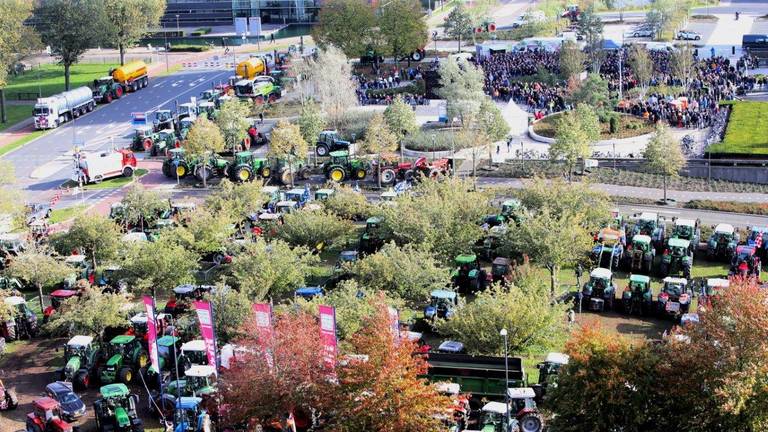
<point x="189" y="48"/>
<point x="729" y="206"/>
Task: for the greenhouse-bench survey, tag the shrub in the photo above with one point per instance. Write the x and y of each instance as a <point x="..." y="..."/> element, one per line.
<point x="415" y="88"/>
<point x="189" y="48"/>
<point x="354" y="123"/>
<point x="729" y="206"/>
<point x="614" y="125"/>
<point x="436" y="140"/>
<point x="201" y="31"/>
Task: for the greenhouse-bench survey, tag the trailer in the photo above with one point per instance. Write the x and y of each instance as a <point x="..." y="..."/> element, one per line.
<point x="260" y="89"/>
<point x="131" y="77"/>
<point x="252" y="68"/>
<point x="60" y="108"/>
<point x="478" y="375"/>
<point x="101" y="166"/>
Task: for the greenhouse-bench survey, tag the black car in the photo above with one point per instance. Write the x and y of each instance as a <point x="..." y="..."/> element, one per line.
<point x="72" y="408"/>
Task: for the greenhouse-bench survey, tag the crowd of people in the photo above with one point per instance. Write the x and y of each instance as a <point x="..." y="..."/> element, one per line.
<point x="369" y="89"/>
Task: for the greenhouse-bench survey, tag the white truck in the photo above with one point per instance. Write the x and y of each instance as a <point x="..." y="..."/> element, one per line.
<point x="96" y="167"/>
<point x="52" y="111"/>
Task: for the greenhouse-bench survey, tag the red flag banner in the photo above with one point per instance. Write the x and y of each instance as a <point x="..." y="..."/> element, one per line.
<point x="205" y="317"/>
<point x="328" y="334"/>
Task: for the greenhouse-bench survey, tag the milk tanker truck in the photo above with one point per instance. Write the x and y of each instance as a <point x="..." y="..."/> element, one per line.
<point x="50" y="112"/>
<point x="129" y="77"/>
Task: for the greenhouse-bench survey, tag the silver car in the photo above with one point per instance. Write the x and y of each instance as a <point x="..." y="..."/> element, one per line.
<point x="687" y="35"/>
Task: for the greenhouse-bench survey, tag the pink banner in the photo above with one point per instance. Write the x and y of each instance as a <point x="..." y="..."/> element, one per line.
<point x="149" y="306"/>
<point x="328" y="334"/>
<point x="262" y="312"/>
<point x="394" y="319"/>
<point x="205" y="317"/>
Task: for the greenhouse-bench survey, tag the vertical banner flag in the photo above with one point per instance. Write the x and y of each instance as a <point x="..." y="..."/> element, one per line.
<point x="149" y="305"/>
<point x="263" y="314"/>
<point x="205" y="317"/>
<point x="328" y="334"/>
<point x="394" y="319"/>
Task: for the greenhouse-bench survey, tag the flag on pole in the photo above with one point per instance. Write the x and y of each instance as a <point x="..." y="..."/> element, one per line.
<point x="149" y="306"/>
<point x="328" y="334"/>
<point x="205" y="318"/>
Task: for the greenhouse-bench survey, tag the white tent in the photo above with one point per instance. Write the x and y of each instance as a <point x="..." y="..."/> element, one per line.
<point x="516" y="118"/>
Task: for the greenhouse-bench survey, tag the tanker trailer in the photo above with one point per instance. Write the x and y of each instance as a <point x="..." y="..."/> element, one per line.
<point x="50" y="112"/>
<point x="251" y="68"/>
<point x="129" y="77"/>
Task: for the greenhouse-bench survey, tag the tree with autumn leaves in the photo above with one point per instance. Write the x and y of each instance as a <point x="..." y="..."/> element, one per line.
<point x="378" y="389"/>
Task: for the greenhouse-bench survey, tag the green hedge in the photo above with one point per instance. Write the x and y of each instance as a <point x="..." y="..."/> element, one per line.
<point x="201" y="31"/>
<point x="729" y="206"/>
<point x="189" y="48"/>
<point x="443" y="140"/>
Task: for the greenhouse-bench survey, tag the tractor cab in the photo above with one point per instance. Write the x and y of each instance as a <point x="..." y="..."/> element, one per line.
<point x="163" y="120"/>
<point x="745" y="262"/>
<point x="186" y="110"/>
<point x="341" y="167"/>
<point x="80" y="359"/>
<point x="608" y="250"/>
<point x="298" y="195"/>
<point x="116" y="410"/>
<point x="640" y="254"/>
<point x="193" y="353"/>
<point x="548" y="372"/>
<point x="82" y="270"/>
<point x="210" y="95"/>
<point x="371" y="240"/>
<point x="308" y="293"/>
<point x="617" y="220"/>
<point x="266" y="225"/>
<point x="599" y="290"/>
<point x="501" y="270"/>
<point x="199" y="380"/>
<point x="522" y="406"/>
<point x="284" y="207"/>
<point x="493" y="418"/>
<point x="468" y="277"/>
<point x="637" y="296"/>
<point x="272" y="193"/>
<point x="345" y="257"/>
<point x="183" y="295"/>
<point x="722" y="243"/>
<point x="675" y="296"/>
<point x="188" y="415"/>
<point x="207" y="109"/>
<point x="687" y="229"/>
<point x="441" y="305"/>
<point x="125" y="356"/>
<point x="647" y="223"/>
<point x="139" y="327"/>
<point x="329" y="141"/>
<point x="141" y="133"/>
<point x="185" y="124"/>
<point x="23" y="323"/>
<point x="677" y="257"/>
<point x="57" y="298"/>
<point x="167" y="349"/>
<point x="46" y="417"/>
<point x="323" y="194"/>
<point x="109" y="281"/>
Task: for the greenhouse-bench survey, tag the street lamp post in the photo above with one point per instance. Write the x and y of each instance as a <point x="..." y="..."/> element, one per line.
<point x="178" y="30"/>
<point x="503" y="333"/>
<point x="165" y="34"/>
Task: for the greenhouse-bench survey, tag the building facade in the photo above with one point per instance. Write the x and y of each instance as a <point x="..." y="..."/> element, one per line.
<point x="192" y="13"/>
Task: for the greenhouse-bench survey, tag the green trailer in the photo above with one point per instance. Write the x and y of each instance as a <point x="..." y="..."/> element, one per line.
<point x="481" y="376"/>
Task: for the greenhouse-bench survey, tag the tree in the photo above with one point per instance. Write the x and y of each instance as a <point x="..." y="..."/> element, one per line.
<point x="97" y="236"/>
<point x="682" y="63"/>
<point x="233" y="122"/>
<point x="314" y="229"/>
<point x="271" y="268"/>
<point x="387" y="392"/>
<point x="350" y="204"/>
<point x="528" y="314"/>
<point x="286" y="141"/>
<point x="206" y="231"/>
<point x="158" y="265"/>
<point x="203" y="140"/>
<point x="408" y="272"/>
<point x="572" y="60"/>
<point x="130" y="20"/>
<point x="403" y="28"/>
<point x="311" y="121"/>
<point x="593" y="91"/>
<point x="379" y="139"/>
<point x="291" y="377"/>
<point x="590" y="26"/>
<point x="39" y="267"/>
<point x="89" y="314"/>
<point x="492" y="124"/>
<point x="458" y="24"/>
<point x="400" y="117"/>
<point x="575" y="133"/>
<point x="346" y="24"/>
<point x="231" y="309"/>
<point x="642" y="67"/>
<point x="560" y="198"/>
<point x="16" y="38"/>
<point x="141" y="207"/>
<point x="69" y="27"/>
<point x="236" y="200"/>
<point x="663" y="155"/>
<point x="333" y="84"/>
<point x="461" y="85"/>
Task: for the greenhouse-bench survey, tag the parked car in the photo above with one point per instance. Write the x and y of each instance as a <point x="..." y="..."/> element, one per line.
<point x="642" y="32"/>
<point x="72" y="407"/>
<point x="687" y="35"/>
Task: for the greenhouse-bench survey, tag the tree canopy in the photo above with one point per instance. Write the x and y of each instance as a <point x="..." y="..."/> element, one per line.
<point x="127" y="21"/>
<point x="89" y="314"/>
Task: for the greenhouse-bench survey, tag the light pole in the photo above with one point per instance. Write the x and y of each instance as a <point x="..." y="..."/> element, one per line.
<point x="165" y="34"/>
<point x="503" y="333"/>
<point x="178" y="30"/>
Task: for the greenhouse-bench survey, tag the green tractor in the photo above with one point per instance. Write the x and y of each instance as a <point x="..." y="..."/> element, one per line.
<point x="80" y="360"/>
<point x="106" y="89"/>
<point x="497" y="417"/>
<point x="246" y="166"/>
<point x="199" y="380"/>
<point x="176" y="165"/>
<point x="207" y="110"/>
<point x="155" y="142"/>
<point x="600" y="290"/>
<point x="469" y="277"/>
<point x="329" y="141"/>
<point x="371" y="240"/>
<point x="722" y="243"/>
<point x="116" y="410"/>
<point x="675" y="297"/>
<point x="637" y="296"/>
<point x="167" y="350"/>
<point x="639" y="256"/>
<point x="342" y="167"/>
<point x="283" y="172"/>
<point x="687" y="229"/>
<point x="214" y="166"/>
<point x="164" y="119"/>
<point x="677" y="258"/>
<point x="125" y="357"/>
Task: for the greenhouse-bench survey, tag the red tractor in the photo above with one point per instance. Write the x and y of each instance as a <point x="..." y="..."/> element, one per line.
<point x="410" y="171"/>
<point x="46" y="417"/>
<point x="57" y="297"/>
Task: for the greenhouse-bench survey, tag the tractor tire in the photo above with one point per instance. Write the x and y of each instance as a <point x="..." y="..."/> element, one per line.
<point x="360" y="174"/>
<point x="272" y="98"/>
<point x="265" y="172"/>
<point x="147" y="144"/>
<point x="434" y="173"/>
<point x="388" y="176"/>
<point x="242" y="174"/>
<point x="203" y="171"/>
<point x="128" y="171"/>
<point x="182" y="170"/>
<point x="119" y="92"/>
<point x="82" y="380"/>
<point x="107" y="98"/>
<point x="142" y="360"/>
<point x="34" y="428"/>
<point x="258" y="100"/>
<point x="337" y="174"/>
<point x="531" y="422"/>
<point x="417" y="56"/>
<point x="321" y="150"/>
<point x="286" y="177"/>
<point x="125" y="375"/>
<point x="304" y="173"/>
<point x="11" y="399"/>
<point x="409" y="175"/>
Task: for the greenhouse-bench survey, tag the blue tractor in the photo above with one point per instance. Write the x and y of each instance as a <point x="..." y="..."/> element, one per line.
<point x="441" y="305"/>
<point x="189" y="416"/>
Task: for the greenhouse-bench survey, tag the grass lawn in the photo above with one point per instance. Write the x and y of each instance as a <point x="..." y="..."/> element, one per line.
<point x="49" y="79"/>
<point x="15" y="114"/>
<point x="747" y="130"/>
<point x="61" y="215"/>
<point x="629" y="126"/>
<point x="111" y="183"/>
<point x="21" y="141"/>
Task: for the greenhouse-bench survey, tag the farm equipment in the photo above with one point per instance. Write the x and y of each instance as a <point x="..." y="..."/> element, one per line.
<point x="481" y="376"/>
<point x="125" y="357"/>
<point x="8" y="398"/>
<point x="609" y="248"/>
<point x="549" y="370"/>
<point x="190" y="416"/>
<point x="572" y="12"/>
<point x="299" y="196"/>
<point x="164" y="119"/>
<point x="342" y="167"/>
<point x="116" y="410"/>
<point x="677" y="258"/>
<point x="258" y="89"/>
<point x="501" y="270"/>
<point x="207" y="110"/>
<point x="441" y="305"/>
<point x="186" y="110"/>
<point x="745" y="262"/>
<point x="687" y="229"/>
<point x="675" y="296"/>
<point x="494" y="418"/>
<point x="309" y="292"/>
<point x="648" y="224"/>
<point x="81" y="269"/>
<point x="199" y="380"/>
<point x="129" y="77"/>
<point x="251" y="68"/>
<point x="712" y="289"/>
<point x="371" y="240"/>
<point x="410" y="171"/>
<point x="210" y="95"/>
<point x="50" y="112"/>
<point x="96" y="167"/>
<point x="637" y="296"/>
<point x="176" y="164"/>
<point x="57" y="297"/>
<point x="246" y="166"/>
<point x="639" y="255"/>
<point x="22" y="324"/>
<point x="722" y="243"/>
<point x="488" y="246"/>
<point x="323" y="194"/>
<point x="167" y="349"/>
<point x="46" y="417"/>
<point x="183" y="295"/>
<point x="523" y="408"/>
<point x="600" y="290"/>
<point x="81" y="361"/>
<point x="193" y="353"/>
<point x="212" y="166"/>
<point x="468" y="277"/>
<point x="283" y="172"/>
<point x="155" y="142"/>
<point x="329" y="141"/>
<point x="758" y="237"/>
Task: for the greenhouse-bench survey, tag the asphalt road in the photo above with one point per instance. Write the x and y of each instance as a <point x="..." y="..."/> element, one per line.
<point x="44" y="164"/>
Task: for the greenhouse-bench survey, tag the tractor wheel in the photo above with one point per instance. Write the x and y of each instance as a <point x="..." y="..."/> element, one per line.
<point x="258" y="100"/>
<point x="142" y="359"/>
<point x="242" y="173"/>
<point x="82" y="380"/>
<point x="119" y="92"/>
<point x="388" y="176"/>
<point x="107" y="97"/>
<point x="145" y="81"/>
<point x="12" y="399"/>
<point x="272" y="98"/>
<point x="147" y="144"/>
<point x="304" y="173"/>
<point x="285" y="177"/>
<point x="182" y="170"/>
<point x="337" y="174"/>
<point x="125" y="375"/>
<point x="530" y="422"/>
<point x="434" y="173"/>
<point x="128" y="171"/>
<point x="34" y="427"/>
<point x="416" y="56"/>
<point x="203" y="171"/>
<point x="409" y="175"/>
<point x="265" y="172"/>
<point x="321" y="150"/>
<point x="360" y="174"/>
<point x="89" y="107"/>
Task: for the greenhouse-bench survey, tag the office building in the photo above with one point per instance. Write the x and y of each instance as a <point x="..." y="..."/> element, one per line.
<point x="194" y="13"/>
